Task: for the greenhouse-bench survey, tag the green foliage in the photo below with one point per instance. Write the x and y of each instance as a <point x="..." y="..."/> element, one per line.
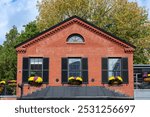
<point x="30" y="30"/>
<point x="122" y="18"/>
<point x="8" y="57"/>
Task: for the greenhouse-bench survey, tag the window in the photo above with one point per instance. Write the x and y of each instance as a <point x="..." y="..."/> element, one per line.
<point x="114" y="67"/>
<point x="74" y="67"/>
<point x="75" y="38"/>
<point x="35" y="66"/>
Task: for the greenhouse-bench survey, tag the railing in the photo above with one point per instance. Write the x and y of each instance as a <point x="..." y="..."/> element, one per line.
<point x="7" y="90"/>
<point x="139" y="82"/>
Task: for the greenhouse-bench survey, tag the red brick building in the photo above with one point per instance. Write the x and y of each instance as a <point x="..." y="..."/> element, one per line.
<point x="75" y="47"/>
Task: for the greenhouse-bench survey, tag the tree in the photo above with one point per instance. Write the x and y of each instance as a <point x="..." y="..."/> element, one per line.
<point x="8" y="56"/>
<point x="30" y="30"/>
<point x="1" y="47"/>
<point x="122" y="18"/>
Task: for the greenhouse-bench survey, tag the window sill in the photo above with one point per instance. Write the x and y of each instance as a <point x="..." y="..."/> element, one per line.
<point x="115" y="85"/>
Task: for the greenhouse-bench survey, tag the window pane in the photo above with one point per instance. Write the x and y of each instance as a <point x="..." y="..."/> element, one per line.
<point x="40" y="61"/>
<point x="74" y="64"/>
<point x="31" y="61"/>
<point x="36" y="66"/>
<point x="74" y="67"/>
<point x="74" y="74"/>
<point x="114" y="74"/>
<point x="78" y="39"/>
<point x="75" y="38"/>
<point x="36" y="73"/>
<point x="114" y="67"/>
<point x="114" y="64"/>
<point x="32" y="67"/>
<point x="36" y="61"/>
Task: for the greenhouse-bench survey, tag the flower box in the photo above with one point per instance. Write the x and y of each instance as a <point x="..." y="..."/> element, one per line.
<point x="115" y="80"/>
<point x="146" y="77"/>
<point x="2" y="83"/>
<point x="1" y="89"/>
<point x="75" y="80"/>
<point x="12" y="82"/>
<point x="35" y="81"/>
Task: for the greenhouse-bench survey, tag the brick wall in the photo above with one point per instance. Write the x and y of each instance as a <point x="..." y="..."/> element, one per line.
<point x="95" y="47"/>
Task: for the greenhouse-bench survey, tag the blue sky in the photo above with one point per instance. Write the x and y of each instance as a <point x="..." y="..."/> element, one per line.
<point x="20" y="12"/>
<point x="15" y="12"/>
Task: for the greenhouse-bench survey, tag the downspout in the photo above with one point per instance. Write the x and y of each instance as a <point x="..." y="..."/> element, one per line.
<point x="21" y="88"/>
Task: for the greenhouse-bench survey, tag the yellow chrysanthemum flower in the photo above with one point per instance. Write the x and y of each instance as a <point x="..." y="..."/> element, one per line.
<point x="111" y="78"/>
<point x="70" y="78"/>
<point x="39" y="80"/>
<point x="79" y="78"/>
<point x="12" y="80"/>
<point x="2" y="82"/>
<point x="119" y="78"/>
<point x="30" y="79"/>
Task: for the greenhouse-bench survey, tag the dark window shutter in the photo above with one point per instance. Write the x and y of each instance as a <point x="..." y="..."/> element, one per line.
<point x="124" y="70"/>
<point x="84" y="63"/>
<point x="85" y="70"/>
<point x="125" y="63"/>
<point x="65" y="63"/>
<point x="45" y="70"/>
<point x="25" y="73"/>
<point x="104" y="70"/>
<point x="105" y="63"/>
<point x="64" y="68"/>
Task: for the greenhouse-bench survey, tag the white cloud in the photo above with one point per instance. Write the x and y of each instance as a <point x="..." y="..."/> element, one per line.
<point x="16" y="12"/>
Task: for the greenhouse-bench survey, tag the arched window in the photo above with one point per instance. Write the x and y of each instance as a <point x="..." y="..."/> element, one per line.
<point x="75" y="38"/>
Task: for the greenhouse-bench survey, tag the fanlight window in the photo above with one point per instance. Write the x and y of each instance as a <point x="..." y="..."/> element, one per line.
<point x="75" y="38"/>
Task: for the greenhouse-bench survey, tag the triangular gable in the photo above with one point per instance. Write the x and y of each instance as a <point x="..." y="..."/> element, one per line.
<point x="75" y="19"/>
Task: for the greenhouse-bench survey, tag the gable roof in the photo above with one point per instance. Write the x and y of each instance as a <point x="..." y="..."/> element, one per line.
<point x="75" y="92"/>
<point x="82" y="20"/>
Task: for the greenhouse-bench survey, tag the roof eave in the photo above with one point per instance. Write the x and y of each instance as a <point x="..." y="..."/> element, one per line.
<point x="44" y="31"/>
